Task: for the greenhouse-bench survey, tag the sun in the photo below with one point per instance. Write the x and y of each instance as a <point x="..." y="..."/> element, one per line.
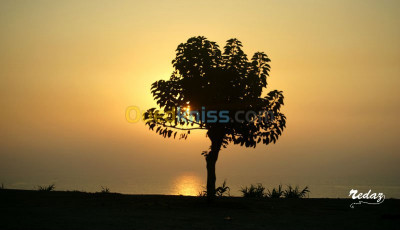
<point x="187" y="109"/>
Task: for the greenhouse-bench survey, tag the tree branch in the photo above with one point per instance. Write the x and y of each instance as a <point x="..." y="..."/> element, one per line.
<point x="173" y="127"/>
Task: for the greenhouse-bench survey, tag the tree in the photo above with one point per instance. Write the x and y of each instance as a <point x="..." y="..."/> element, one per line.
<point x="207" y="84"/>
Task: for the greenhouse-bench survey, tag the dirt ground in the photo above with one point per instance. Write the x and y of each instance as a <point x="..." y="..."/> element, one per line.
<point x="22" y="209"/>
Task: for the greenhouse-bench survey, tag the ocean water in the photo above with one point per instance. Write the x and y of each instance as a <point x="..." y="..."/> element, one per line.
<point x="191" y="184"/>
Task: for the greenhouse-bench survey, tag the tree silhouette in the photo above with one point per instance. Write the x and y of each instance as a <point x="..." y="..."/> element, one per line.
<point x="214" y="83"/>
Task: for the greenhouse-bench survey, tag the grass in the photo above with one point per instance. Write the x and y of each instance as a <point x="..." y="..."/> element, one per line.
<point x="105" y="190"/>
<point x="223" y="190"/>
<point x="220" y="191"/>
<point x="22" y="209"/>
<point x="275" y="193"/>
<point x="253" y="191"/>
<point x="48" y="188"/>
<point x="295" y="192"/>
<point x="258" y="191"/>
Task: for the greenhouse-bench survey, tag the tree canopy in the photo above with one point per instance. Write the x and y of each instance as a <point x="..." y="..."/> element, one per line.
<point x="205" y="78"/>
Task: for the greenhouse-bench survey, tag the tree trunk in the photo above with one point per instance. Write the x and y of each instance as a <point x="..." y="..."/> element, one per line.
<point x="216" y="137"/>
<point x="211" y="177"/>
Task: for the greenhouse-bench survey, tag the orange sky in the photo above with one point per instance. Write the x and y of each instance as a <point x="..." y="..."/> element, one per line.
<point x="68" y="70"/>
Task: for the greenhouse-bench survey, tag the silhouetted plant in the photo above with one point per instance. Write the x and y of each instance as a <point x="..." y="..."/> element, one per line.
<point x="104" y="190"/>
<point x="48" y="188"/>
<point x="205" y="79"/>
<point x="295" y="192"/>
<point x="275" y="193"/>
<point x="202" y="193"/>
<point x="254" y="191"/>
<point x="223" y="190"/>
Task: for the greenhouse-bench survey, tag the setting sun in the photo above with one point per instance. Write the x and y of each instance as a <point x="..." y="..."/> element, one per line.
<point x="166" y="114"/>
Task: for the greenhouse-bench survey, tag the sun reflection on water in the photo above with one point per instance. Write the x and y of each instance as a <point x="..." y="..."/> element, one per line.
<point x="187" y="185"/>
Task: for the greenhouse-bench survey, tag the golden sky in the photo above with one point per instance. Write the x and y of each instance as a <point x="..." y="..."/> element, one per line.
<point x="69" y="69"/>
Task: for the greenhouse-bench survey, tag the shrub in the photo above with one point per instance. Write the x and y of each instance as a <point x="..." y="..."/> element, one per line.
<point x="223" y="189"/>
<point x="295" y="192"/>
<point x="202" y="193"/>
<point x="254" y="191"/>
<point x="104" y="190"/>
<point x="275" y="193"/>
<point x="220" y="191"/>
<point x="48" y="188"/>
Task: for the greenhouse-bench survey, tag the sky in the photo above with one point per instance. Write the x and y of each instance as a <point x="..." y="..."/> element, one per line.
<point x="69" y="70"/>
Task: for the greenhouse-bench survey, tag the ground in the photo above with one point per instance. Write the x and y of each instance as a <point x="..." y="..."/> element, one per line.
<point x="23" y="209"/>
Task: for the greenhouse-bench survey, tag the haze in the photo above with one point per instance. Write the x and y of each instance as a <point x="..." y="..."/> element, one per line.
<point x="69" y="69"/>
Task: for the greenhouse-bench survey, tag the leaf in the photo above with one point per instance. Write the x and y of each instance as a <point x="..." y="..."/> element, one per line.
<point x="209" y="77"/>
